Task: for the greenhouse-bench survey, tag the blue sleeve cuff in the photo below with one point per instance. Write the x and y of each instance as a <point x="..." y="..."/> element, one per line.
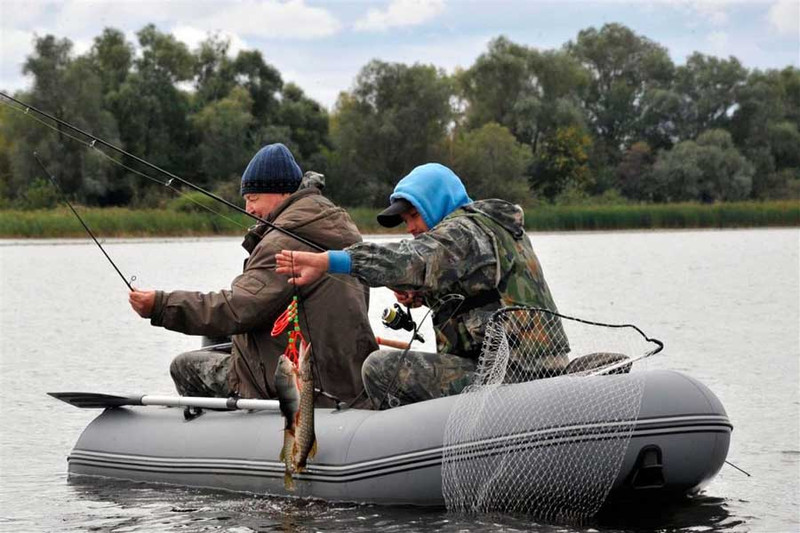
<point x="338" y="262"/>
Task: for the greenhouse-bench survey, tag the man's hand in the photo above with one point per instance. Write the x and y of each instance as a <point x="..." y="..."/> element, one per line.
<point x="301" y="267"/>
<point x="142" y="302"/>
<point x="411" y="299"/>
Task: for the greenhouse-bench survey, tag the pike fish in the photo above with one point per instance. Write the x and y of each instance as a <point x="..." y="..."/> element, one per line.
<point x="289" y="400"/>
<point x="305" y="441"/>
<point x="295" y="388"/>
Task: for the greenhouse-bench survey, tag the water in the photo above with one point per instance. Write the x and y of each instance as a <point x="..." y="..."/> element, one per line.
<point x="726" y="304"/>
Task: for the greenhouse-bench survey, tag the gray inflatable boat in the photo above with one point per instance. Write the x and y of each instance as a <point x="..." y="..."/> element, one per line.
<point x="677" y="443"/>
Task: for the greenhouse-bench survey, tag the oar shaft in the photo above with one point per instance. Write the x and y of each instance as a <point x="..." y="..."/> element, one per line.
<point x="211" y="403"/>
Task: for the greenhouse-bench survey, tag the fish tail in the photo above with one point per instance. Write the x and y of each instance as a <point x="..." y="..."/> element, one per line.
<point x="288" y="481"/>
<point x="313" y="452"/>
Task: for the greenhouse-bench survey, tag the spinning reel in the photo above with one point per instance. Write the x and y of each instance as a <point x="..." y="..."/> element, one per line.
<point x="396" y="318"/>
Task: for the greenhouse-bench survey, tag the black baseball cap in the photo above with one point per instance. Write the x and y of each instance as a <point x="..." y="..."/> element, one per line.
<point x="390" y="217"/>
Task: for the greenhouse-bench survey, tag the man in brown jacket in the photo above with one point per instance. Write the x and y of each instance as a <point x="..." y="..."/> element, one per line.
<point x="332" y="312"/>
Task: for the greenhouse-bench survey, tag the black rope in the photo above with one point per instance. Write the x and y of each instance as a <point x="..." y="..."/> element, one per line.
<point x="505" y="310"/>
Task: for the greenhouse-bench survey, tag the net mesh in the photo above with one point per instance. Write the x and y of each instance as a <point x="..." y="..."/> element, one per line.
<point x="545" y="425"/>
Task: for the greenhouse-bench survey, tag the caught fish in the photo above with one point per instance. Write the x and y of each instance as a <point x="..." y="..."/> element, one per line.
<point x="305" y="441"/>
<point x="286" y="380"/>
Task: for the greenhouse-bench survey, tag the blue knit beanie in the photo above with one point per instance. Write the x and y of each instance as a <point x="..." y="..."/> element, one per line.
<point x="272" y="170"/>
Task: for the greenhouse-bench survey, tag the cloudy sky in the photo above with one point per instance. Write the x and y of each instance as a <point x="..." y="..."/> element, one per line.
<point x="322" y="45"/>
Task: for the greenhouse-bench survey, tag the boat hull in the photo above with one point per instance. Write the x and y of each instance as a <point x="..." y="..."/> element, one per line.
<point x="679" y="442"/>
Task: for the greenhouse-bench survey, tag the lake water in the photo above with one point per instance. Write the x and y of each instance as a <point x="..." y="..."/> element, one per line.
<point x="725" y="303"/>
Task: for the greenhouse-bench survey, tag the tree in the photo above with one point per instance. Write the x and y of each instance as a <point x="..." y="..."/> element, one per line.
<point x="70" y="90"/>
<point x="154" y="113"/>
<point x="624" y="67"/>
<point x="708" y="89"/>
<point x="393" y="120"/>
<point x="562" y="163"/>
<point x="112" y="56"/>
<point x="634" y="172"/>
<point x="215" y="72"/>
<point x="765" y="126"/>
<point x="531" y="93"/>
<point x="262" y="81"/>
<point x="223" y="127"/>
<point x="707" y="170"/>
<point x="307" y="123"/>
<point x="491" y="163"/>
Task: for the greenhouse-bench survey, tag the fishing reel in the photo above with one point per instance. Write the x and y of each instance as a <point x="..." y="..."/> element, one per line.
<point x="396" y="318"/>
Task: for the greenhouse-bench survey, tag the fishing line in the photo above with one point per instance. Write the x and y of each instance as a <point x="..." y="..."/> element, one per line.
<point x="167" y="184"/>
<point x="316" y="374"/>
<point x="172" y="176"/>
<point x="737" y="468"/>
<point x="64" y="197"/>
<point x="126" y="167"/>
<point x="439" y="304"/>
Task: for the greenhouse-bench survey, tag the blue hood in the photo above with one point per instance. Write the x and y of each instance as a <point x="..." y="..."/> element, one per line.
<point x="434" y="190"/>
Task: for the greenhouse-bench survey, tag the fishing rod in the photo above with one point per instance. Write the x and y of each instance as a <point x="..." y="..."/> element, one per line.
<point x="64" y="197"/>
<point x="173" y="177"/>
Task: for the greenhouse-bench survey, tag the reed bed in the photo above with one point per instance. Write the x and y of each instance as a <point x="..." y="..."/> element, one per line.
<point x="123" y="222"/>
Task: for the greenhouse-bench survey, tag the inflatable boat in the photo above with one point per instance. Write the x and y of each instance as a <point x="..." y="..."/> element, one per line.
<point x="677" y="442"/>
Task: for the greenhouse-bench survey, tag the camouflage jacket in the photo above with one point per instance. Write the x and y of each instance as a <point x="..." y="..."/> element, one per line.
<point x="475" y="261"/>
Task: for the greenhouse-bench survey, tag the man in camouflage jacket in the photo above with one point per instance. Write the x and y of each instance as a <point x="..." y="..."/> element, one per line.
<point x="467" y="260"/>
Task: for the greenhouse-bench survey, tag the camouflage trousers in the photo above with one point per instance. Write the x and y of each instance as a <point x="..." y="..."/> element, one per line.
<point x="392" y="379"/>
<point x="202" y="373"/>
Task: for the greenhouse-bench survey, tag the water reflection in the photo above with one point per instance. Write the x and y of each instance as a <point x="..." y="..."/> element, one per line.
<point x="132" y="506"/>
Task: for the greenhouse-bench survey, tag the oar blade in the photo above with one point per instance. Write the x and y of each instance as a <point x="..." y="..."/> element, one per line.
<point x="94" y="400"/>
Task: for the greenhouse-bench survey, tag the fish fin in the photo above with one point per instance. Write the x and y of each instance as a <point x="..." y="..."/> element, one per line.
<point x="288" y="481"/>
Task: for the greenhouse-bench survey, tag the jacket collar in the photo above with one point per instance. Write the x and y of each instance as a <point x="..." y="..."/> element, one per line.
<point x="257" y="232"/>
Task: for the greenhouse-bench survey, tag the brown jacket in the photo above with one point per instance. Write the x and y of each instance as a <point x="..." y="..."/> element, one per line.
<point x="333" y="311"/>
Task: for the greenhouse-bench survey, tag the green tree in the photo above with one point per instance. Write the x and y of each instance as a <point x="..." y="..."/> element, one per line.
<point x="112" y="56"/>
<point x="223" y="126"/>
<point x="634" y="172"/>
<point x="491" y="163"/>
<point x="624" y="67"/>
<point x="70" y="90"/>
<point x="393" y="120"/>
<point x="707" y="170"/>
<point x="532" y="93"/>
<point x="307" y="123"/>
<point x="153" y="112"/>
<point x="765" y="126"/>
<point x="562" y="163"/>
<point x="262" y="81"/>
<point x="215" y="73"/>
<point x="708" y="89"/>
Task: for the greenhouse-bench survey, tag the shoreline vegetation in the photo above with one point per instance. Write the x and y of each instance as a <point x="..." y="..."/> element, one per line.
<point x="123" y="222"/>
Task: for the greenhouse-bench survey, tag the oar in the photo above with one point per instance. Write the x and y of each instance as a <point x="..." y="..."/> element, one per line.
<point x="94" y="400"/>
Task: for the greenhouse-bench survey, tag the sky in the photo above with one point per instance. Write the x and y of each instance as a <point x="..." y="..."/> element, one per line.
<point x="321" y="46"/>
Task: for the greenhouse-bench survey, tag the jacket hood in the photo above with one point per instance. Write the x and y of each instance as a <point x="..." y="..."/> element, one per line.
<point x="508" y="215"/>
<point x="434" y="190"/>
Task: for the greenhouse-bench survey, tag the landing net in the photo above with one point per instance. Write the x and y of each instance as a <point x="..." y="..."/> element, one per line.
<point x="550" y="448"/>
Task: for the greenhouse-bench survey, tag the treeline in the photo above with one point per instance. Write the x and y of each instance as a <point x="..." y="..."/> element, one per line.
<point x="608" y="118"/>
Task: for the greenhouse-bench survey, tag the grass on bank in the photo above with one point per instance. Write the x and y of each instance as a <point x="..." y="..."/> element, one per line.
<point x="123" y="222"/>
